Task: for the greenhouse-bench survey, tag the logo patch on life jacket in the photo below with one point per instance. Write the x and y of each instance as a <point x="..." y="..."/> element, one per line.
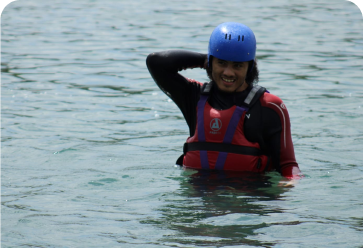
<point x="216" y="124"/>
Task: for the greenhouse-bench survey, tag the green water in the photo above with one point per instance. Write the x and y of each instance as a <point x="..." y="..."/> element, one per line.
<point x="89" y="141"/>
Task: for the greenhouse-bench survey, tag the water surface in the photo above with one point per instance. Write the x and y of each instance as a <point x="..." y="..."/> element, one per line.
<point x="89" y="141"/>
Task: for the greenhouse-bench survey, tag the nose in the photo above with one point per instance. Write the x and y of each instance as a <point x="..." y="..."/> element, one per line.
<point x="228" y="71"/>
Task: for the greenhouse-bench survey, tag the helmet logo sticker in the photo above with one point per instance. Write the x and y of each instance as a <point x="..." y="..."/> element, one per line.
<point x="215" y="124"/>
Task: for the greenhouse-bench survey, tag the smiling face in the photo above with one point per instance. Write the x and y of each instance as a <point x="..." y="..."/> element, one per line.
<point x="229" y="76"/>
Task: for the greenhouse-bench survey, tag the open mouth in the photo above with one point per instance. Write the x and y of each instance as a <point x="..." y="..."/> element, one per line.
<point x="228" y="81"/>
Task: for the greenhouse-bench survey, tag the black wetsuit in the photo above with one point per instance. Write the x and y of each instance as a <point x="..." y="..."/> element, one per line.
<point x="264" y="125"/>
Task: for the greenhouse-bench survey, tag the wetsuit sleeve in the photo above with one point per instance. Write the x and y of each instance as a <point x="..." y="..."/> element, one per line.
<point x="164" y="67"/>
<point x="279" y="141"/>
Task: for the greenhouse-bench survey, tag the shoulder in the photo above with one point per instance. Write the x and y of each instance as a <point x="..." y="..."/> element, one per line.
<point x="274" y="103"/>
<point x="271" y="101"/>
<point x="272" y="107"/>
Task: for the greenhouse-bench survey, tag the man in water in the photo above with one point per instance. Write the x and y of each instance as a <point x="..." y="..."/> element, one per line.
<point x="234" y="124"/>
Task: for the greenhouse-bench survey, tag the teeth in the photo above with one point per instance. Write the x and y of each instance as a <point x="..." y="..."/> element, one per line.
<point x="228" y="80"/>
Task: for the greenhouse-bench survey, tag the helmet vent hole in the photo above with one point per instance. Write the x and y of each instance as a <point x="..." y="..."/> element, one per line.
<point x="243" y="37"/>
<point x="239" y="37"/>
<point x="228" y="36"/>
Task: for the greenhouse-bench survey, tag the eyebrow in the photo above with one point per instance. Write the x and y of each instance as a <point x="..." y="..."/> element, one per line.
<point x="235" y="62"/>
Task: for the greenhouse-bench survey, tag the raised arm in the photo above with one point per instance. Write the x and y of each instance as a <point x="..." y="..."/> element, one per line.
<point x="164" y="67"/>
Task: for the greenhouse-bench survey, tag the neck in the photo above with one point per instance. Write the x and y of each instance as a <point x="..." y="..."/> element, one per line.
<point x="224" y="100"/>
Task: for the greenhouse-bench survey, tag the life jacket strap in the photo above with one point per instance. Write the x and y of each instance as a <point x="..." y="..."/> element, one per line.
<point x="254" y="95"/>
<point x="206" y="87"/>
<point x="221" y="147"/>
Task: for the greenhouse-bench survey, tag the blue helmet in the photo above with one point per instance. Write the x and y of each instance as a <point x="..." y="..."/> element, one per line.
<point x="232" y="41"/>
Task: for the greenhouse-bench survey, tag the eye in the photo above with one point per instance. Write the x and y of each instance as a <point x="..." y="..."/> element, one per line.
<point x="221" y="62"/>
<point x="239" y="65"/>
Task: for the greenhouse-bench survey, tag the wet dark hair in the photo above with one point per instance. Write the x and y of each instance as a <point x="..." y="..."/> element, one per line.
<point x="252" y="76"/>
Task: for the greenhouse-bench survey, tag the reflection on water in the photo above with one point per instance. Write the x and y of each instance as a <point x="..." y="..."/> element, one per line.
<point x="220" y="208"/>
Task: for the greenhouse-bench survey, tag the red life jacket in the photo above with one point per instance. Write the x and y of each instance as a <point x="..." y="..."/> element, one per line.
<point x="219" y="142"/>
